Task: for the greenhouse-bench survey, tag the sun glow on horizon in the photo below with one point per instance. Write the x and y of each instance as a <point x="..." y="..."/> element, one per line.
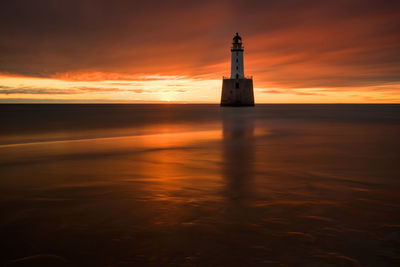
<point x="151" y="88"/>
<point x="176" y="89"/>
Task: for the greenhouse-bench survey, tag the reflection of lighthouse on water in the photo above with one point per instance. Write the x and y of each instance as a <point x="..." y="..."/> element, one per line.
<point x="238" y="154"/>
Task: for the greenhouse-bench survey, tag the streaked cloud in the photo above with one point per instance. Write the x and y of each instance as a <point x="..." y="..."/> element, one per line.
<point x="292" y="91"/>
<point x="36" y="91"/>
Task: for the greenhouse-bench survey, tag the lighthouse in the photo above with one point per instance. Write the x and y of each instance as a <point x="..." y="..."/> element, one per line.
<point x="237" y="90"/>
<point x="237" y="68"/>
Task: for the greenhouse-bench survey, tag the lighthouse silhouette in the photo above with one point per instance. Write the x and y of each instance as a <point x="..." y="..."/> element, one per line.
<point x="237" y="90"/>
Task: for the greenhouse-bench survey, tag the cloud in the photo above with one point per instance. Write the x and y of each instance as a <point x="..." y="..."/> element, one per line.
<point x="138" y="91"/>
<point x="4" y="90"/>
<point x="84" y="89"/>
<point x="292" y="91"/>
<point x="288" y="43"/>
<point x="50" y="91"/>
<point x="272" y="92"/>
<point x="31" y="90"/>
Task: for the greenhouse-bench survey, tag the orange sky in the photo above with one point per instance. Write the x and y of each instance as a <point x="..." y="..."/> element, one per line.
<point x="177" y="51"/>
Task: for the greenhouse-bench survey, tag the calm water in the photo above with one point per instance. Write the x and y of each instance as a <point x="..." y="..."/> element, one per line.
<point x="199" y="185"/>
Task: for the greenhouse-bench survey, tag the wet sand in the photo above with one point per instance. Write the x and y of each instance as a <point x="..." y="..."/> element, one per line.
<point x="200" y="185"/>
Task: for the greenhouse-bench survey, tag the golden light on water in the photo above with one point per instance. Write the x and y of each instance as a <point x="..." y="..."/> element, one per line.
<point x="168" y="180"/>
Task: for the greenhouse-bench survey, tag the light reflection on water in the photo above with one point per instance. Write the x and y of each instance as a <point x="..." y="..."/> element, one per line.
<point x="236" y="189"/>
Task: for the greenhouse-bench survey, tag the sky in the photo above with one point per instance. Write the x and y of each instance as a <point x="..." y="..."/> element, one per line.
<point x="310" y="51"/>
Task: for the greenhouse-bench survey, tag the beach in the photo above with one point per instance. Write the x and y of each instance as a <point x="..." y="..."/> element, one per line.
<point x="199" y="185"/>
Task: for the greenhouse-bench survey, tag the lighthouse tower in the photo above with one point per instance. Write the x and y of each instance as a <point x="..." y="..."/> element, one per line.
<point x="237" y="90"/>
<point x="237" y="68"/>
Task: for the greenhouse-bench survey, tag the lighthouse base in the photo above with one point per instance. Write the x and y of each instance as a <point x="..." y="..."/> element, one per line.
<point x="237" y="92"/>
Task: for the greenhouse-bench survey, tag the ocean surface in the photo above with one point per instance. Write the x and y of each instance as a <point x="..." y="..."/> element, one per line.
<point x="199" y="185"/>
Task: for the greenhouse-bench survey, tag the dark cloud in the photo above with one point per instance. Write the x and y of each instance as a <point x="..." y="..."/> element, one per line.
<point x="72" y="100"/>
<point x="51" y="91"/>
<point x="289" y="43"/>
<point x="4" y="90"/>
<point x="8" y="90"/>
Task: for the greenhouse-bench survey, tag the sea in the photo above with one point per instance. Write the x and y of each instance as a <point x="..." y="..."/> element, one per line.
<point x="199" y="185"/>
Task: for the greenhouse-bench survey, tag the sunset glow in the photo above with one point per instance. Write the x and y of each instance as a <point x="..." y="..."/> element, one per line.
<point x="316" y="52"/>
<point x="179" y="89"/>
